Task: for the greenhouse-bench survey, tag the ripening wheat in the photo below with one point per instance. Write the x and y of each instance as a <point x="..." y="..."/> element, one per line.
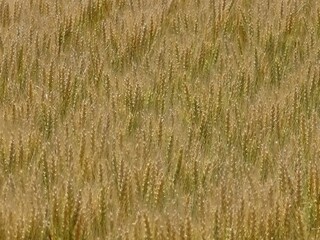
<point x="172" y="119"/>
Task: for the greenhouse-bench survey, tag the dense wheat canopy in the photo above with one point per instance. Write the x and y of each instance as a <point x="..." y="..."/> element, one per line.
<point x="159" y="119"/>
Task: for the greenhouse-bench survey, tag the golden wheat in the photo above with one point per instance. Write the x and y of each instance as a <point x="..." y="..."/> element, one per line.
<point x="159" y="119"/>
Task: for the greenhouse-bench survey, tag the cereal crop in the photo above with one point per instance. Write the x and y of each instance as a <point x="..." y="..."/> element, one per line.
<point x="159" y="119"/>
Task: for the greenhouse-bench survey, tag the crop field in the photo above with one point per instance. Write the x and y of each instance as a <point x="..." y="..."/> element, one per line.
<point x="159" y="119"/>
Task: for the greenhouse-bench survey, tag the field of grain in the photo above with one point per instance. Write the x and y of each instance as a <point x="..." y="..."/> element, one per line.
<point x="159" y="119"/>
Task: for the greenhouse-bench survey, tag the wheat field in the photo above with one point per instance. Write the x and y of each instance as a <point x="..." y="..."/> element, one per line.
<point x="159" y="119"/>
